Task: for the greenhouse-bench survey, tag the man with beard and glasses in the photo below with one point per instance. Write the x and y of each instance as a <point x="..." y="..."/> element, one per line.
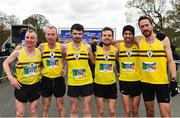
<point x="105" y="80"/>
<point x="129" y="79"/>
<point x="80" y="81"/>
<point x="52" y="82"/>
<point x="155" y="56"/>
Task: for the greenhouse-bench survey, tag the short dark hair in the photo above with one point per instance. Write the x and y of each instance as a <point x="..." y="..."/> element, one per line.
<point x="94" y="37"/>
<point x="129" y="28"/>
<point x="109" y="29"/>
<point x="78" y="27"/>
<point x="145" y="17"/>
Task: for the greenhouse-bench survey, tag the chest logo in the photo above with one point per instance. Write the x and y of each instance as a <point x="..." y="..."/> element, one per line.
<point x="52" y="54"/>
<point x="76" y="56"/>
<point x="149" y="53"/>
<point x="128" y="53"/>
<point x="31" y="64"/>
<point x="106" y="57"/>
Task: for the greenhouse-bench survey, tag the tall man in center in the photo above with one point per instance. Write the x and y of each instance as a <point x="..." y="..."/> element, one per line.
<point x="80" y="81"/>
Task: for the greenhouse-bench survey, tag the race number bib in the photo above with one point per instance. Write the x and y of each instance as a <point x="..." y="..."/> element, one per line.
<point x="128" y="66"/>
<point x="52" y="63"/>
<point x="31" y="70"/>
<point x="79" y="73"/>
<point x="149" y="66"/>
<point x="105" y="68"/>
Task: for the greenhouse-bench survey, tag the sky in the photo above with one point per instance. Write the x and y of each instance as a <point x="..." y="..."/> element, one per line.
<point x="64" y="13"/>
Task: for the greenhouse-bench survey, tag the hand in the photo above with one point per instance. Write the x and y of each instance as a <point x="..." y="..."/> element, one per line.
<point x="63" y="72"/>
<point x="15" y="83"/>
<point x="173" y="89"/>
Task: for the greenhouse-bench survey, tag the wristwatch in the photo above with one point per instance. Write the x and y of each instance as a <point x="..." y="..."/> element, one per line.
<point x="173" y="79"/>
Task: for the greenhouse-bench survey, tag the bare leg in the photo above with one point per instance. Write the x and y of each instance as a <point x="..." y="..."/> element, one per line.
<point x="87" y="106"/>
<point x="74" y="106"/>
<point x="100" y="106"/>
<point x="135" y="105"/>
<point x="112" y="107"/>
<point x="46" y="101"/>
<point x="149" y="108"/>
<point x="33" y="108"/>
<point x="60" y="106"/>
<point x="126" y="105"/>
<point x="165" y="109"/>
<point x="20" y="108"/>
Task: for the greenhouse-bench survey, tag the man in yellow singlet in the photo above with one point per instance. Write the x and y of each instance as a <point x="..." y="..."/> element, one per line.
<point x="28" y="69"/>
<point x="129" y="79"/>
<point x="80" y="81"/>
<point x="52" y="81"/>
<point x="155" y="56"/>
<point x="105" y="88"/>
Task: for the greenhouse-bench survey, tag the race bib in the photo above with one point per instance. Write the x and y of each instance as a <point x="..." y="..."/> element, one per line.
<point x="79" y="73"/>
<point x="128" y="66"/>
<point x="149" y="66"/>
<point x="31" y="70"/>
<point x="105" y="68"/>
<point x="52" y="63"/>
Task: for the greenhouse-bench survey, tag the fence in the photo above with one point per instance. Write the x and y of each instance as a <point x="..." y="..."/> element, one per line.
<point x="2" y="74"/>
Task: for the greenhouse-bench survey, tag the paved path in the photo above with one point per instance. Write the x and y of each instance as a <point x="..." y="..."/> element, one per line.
<point x="7" y="107"/>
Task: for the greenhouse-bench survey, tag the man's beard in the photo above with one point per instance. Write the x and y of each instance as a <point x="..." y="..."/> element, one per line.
<point x="77" y="40"/>
<point x="147" y="34"/>
<point x="107" y="44"/>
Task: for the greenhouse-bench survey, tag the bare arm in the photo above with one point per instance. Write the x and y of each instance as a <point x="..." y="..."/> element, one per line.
<point x="63" y="49"/>
<point x="137" y="39"/>
<point x="114" y="42"/>
<point x="41" y="48"/>
<point x="170" y="60"/>
<point x="117" y="51"/>
<point x="14" y="55"/>
<point x="91" y="56"/>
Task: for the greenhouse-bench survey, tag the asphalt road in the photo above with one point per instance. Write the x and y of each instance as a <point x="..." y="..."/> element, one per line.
<point x="7" y="105"/>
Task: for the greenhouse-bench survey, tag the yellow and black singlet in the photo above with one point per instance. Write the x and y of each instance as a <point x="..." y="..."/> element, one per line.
<point x="153" y="62"/>
<point x="52" y="61"/>
<point x="79" y="72"/>
<point x="129" y="63"/>
<point x="105" y="62"/>
<point x="28" y="69"/>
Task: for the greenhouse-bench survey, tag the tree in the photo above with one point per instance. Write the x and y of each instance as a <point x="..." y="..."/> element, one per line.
<point x="39" y="22"/>
<point x="5" y="25"/>
<point x="151" y="8"/>
<point x="164" y="20"/>
<point x="173" y="19"/>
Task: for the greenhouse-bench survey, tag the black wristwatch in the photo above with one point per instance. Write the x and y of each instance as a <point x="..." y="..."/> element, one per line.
<point x="173" y="79"/>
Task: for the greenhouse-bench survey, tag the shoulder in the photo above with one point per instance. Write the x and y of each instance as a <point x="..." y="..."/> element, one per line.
<point x="166" y="42"/>
<point x="88" y="46"/>
<point x="15" y="53"/>
<point x="41" y="47"/>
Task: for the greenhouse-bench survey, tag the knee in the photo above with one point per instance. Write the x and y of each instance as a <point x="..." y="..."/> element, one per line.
<point x="135" y="112"/>
<point x="112" y="112"/>
<point x="19" y="114"/>
<point x="150" y="112"/>
<point x="46" y="107"/>
<point x="33" y="110"/>
<point x="74" y="110"/>
<point x="101" y="111"/>
<point x="87" y="110"/>
<point x="127" y="112"/>
<point x="60" y="107"/>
